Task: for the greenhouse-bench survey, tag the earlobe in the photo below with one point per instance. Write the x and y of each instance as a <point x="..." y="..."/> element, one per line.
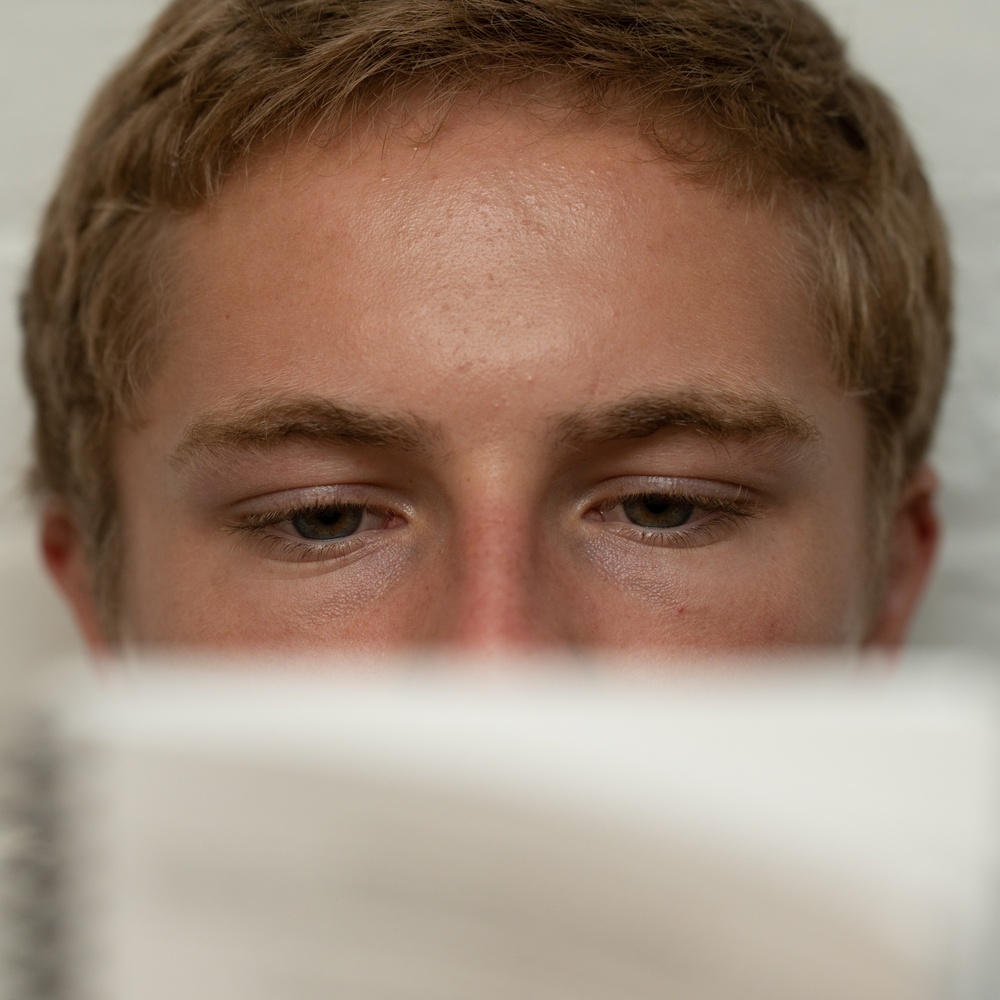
<point x="914" y="533"/>
<point x="65" y="557"/>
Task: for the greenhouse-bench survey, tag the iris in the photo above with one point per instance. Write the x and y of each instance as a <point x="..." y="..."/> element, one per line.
<point x="657" y="510"/>
<point x="326" y="523"/>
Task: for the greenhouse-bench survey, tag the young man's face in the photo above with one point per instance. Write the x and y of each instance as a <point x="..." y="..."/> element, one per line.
<point x="509" y="389"/>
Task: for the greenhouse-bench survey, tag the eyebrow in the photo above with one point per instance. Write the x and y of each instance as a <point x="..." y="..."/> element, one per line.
<point x="269" y="423"/>
<point x="718" y="414"/>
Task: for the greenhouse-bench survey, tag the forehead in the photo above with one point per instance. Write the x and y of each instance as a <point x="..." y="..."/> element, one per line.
<point x="500" y="245"/>
<point x="490" y="180"/>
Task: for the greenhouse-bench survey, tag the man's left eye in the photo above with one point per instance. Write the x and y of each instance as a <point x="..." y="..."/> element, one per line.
<point x="674" y="518"/>
<point x="657" y="510"/>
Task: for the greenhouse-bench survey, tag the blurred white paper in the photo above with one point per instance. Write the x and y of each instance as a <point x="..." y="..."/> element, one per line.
<point x="548" y="835"/>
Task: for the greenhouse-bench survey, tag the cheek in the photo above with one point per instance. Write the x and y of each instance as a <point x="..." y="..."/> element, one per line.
<point x="605" y="596"/>
<point x="217" y="597"/>
<point x="721" y="598"/>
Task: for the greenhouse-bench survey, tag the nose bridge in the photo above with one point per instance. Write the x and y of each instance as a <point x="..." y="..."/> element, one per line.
<point x="500" y="593"/>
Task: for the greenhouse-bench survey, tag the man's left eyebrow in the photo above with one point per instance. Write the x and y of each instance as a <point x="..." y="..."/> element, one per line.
<point x="271" y="422"/>
<point x="722" y="415"/>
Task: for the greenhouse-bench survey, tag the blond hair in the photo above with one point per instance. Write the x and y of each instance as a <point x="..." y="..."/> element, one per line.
<point x="755" y="92"/>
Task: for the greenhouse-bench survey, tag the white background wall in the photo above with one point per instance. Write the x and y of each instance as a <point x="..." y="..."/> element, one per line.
<point x="940" y="61"/>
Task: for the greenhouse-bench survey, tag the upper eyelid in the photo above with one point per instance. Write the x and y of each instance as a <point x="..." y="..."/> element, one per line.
<point x="316" y="497"/>
<point x="733" y="502"/>
<point x="622" y="488"/>
<point x="283" y="514"/>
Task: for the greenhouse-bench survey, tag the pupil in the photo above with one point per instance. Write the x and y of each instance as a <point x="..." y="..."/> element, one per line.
<point x="328" y="522"/>
<point x="658" y="511"/>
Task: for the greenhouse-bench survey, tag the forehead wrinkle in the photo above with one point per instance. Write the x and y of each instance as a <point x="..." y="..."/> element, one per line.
<point x="718" y="414"/>
<point x="274" y="421"/>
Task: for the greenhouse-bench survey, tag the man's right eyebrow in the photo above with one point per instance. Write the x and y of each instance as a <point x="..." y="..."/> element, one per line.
<point x="266" y="424"/>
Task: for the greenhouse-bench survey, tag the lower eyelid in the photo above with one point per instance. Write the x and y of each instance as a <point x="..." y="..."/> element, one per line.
<point x="682" y="536"/>
<point x="302" y="551"/>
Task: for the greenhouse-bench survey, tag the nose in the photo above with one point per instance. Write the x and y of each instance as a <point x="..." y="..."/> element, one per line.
<point x="503" y="591"/>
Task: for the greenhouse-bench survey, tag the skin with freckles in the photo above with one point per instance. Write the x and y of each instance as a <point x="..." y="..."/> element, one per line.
<point x="511" y="388"/>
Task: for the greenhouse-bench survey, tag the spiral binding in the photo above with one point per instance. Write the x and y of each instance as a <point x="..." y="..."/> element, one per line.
<point x="32" y="928"/>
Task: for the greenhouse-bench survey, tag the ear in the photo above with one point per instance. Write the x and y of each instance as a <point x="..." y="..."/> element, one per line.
<point x="65" y="557"/>
<point x="914" y="533"/>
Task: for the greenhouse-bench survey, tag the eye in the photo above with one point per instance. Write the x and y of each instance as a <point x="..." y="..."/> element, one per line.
<point x="657" y="510"/>
<point x="685" y="515"/>
<point x="313" y="532"/>
<point x="328" y="523"/>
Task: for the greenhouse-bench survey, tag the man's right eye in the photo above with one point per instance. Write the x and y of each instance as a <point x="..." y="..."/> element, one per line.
<point x="313" y="532"/>
<point x="328" y="523"/>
